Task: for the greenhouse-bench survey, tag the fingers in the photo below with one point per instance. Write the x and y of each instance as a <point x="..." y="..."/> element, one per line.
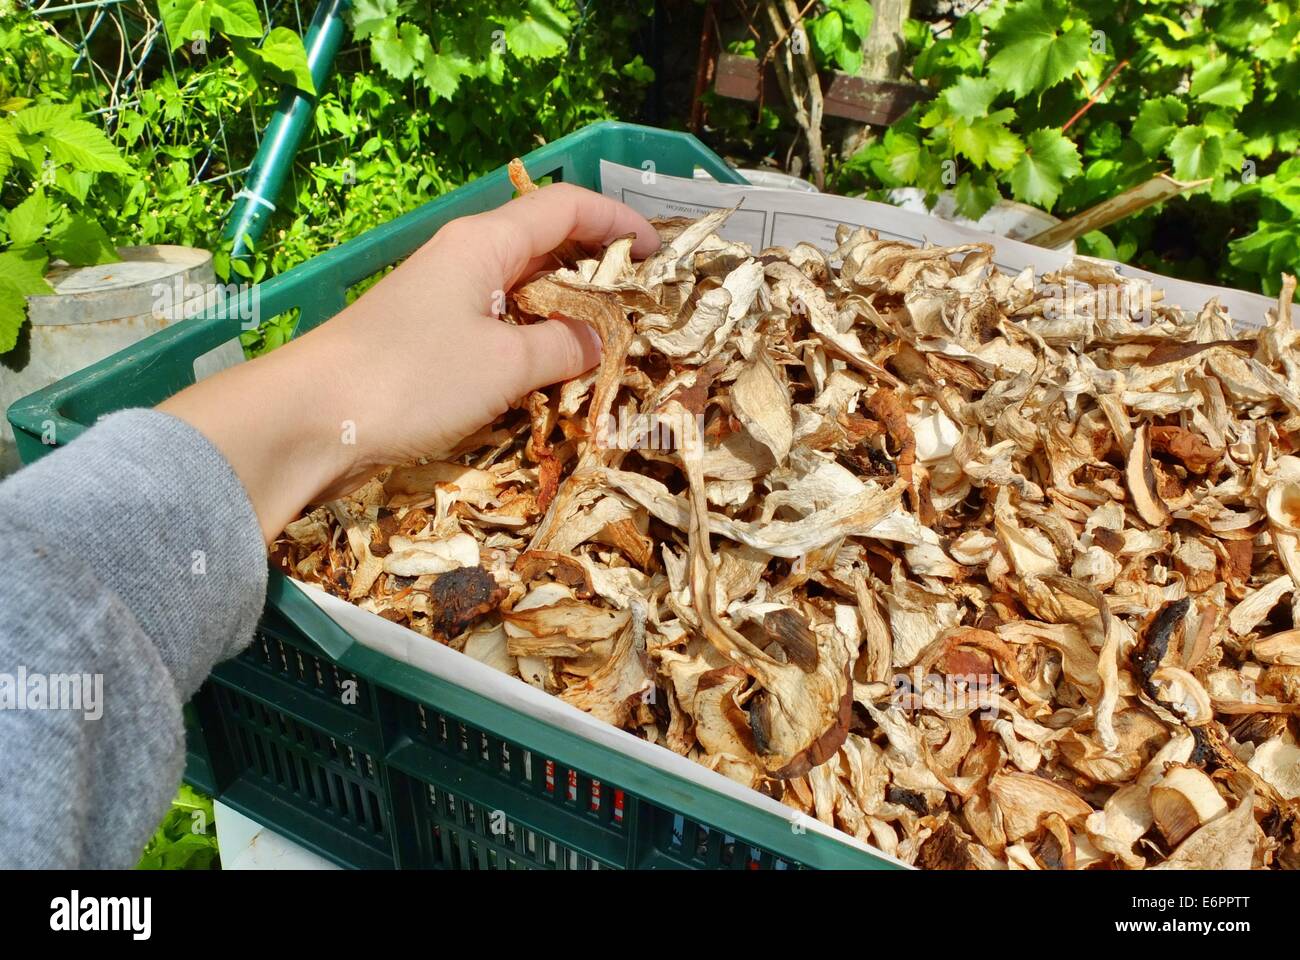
<point x="535" y="224"/>
<point x="553" y="351"/>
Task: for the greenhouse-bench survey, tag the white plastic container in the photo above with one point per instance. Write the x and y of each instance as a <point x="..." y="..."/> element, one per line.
<point x="245" y="844"/>
<point x="767" y="179"/>
<point x="96" y="311"/>
<point x="1006" y="218"/>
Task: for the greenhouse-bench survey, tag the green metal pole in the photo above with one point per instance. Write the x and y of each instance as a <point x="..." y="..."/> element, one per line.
<point x="255" y="203"/>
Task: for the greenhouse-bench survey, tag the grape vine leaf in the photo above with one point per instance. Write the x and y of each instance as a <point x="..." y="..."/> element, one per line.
<point x="442" y="73"/>
<point x="369" y="15"/>
<point x="988" y="140"/>
<point x="1157" y="121"/>
<point x="1197" y="152"/>
<point x="903" y="159"/>
<point x="399" y="50"/>
<point x="1103" y="140"/>
<point x="1224" y="83"/>
<point x="541" y="34"/>
<point x="962" y="50"/>
<point x="1272" y="249"/>
<point x="975" y="193"/>
<point x="1051" y="159"/>
<point x="1171" y="43"/>
<point x="1035" y="48"/>
<point x="970" y="97"/>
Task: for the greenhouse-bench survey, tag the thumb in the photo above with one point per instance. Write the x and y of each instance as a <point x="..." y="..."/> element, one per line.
<point x="555" y="350"/>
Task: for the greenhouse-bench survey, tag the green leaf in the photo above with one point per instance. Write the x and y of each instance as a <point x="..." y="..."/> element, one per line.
<point x="1034" y="48"/>
<point x="1197" y="153"/>
<point x="638" y="71"/>
<point x="69" y="139"/>
<point x="961" y="50"/>
<point x="1283" y="186"/>
<point x="186" y="20"/>
<point x="10" y="146"/>
<point x="84" y="146"/>
<point x="827" y="33"/>
<point x="1156" y="123"/>
<point x="22" y="272"/>
<point x="26" y="222"/>
<point x="75" y="183"/>
<point x="1051" y="159"/>
<point x="13" y="314"/>
<point x="541" y="34"/>
<point x="400" y="50"/>
<point x="40" y="119"/>
<point x="988" y="140"/>
<point x="970" y="98"/>
<point x="369" y="15"/>
<point x="903" y="158"/>
<point x="975" y="193"/>
<point x="284" y="51"/>
<point x="236" y="18"/>
<point x="442" y="74"/>
<point x="836" y="34"/>
<point x="857" y="15"/>
<point x="1103" y="140"/>
<point x="1224" y="83"/>
<point x="1094" y="243"/>
<point x="184" y="841"/>
<point x="1272" y="249"/>
<point x="1169" y="42"/>
<point x="81" y="241"/>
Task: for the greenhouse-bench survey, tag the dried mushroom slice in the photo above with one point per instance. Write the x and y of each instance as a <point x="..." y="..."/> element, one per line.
<point x="985" y="570"/>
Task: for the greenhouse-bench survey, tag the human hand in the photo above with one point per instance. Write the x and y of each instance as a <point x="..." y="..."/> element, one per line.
<point x="417" y="363"/>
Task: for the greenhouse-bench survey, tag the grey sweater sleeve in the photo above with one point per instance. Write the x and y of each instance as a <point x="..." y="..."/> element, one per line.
<point x="132" y="562"/>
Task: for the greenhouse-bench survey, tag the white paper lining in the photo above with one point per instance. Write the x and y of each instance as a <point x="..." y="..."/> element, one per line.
<point x="781" y="218"/>
<point x="766" y="218"/>
<point x="403" y="644"/>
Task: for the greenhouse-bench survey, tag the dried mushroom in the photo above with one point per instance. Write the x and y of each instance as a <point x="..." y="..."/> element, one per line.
<point x="980" y="574"/>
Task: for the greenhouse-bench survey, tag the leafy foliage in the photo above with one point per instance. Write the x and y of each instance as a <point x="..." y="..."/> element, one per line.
<point x="431" y="96"/>
<point x="1198" y="91"/>
<point x="839" y="33"/>
<point x="49" y="157"/>
<point x="60" y="168"/>
<point x="501" y="74"/>
<point x="186" y="839"/>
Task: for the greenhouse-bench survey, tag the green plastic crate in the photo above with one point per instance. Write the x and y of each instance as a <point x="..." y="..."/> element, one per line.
<point x="419" y="772"/>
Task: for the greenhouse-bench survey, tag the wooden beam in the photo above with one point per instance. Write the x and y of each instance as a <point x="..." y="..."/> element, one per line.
<point x="878" y="102"/>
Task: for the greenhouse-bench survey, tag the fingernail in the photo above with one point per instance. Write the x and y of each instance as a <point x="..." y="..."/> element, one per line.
<point x="594" y="337"/>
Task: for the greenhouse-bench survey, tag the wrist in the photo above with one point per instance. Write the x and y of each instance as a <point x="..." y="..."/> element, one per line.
<point x="280" y="433"/>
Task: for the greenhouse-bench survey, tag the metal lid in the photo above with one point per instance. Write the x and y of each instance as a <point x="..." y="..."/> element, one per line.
<point x="144" y="278"/>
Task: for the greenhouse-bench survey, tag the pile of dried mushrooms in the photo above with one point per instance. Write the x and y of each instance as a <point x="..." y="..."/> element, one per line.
<point x="984" y="570"/>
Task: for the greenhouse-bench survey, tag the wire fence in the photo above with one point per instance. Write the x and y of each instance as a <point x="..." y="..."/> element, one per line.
<point x="122" y="52"/>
